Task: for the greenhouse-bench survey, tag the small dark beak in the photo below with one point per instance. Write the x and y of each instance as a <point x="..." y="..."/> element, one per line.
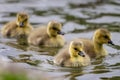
<point x="21" y="24"/>
<point x="81" y="53"/>
<point x="110" y="42"/>
<point x="61" y="33"/>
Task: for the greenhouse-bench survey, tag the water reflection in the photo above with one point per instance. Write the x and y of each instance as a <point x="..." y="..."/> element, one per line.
<point x="80" y="19"/>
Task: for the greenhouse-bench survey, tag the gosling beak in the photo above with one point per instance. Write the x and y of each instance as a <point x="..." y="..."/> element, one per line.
<point x="110" y="42"/>
<point x="81" y="53"/>
<point x="61" y="33"/>
<point x="21" y="24"/>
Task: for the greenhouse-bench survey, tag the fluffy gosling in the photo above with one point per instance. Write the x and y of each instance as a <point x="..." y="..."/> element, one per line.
<point x="72" y="56"/>
<point x="50" y="36"/>
<point x="18" y="27"/>
<point x="94" y="48"/>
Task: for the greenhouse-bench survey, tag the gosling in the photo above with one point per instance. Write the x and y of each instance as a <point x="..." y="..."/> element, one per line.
<point x="50" y="36"/>
<point x="72" y="56"/>
<point x="94" y="47"/>
<point x="18" y="27"/>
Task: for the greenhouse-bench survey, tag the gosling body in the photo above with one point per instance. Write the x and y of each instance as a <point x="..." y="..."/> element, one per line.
<point x="50" y="36"/>
<point x="72" y="56"/>
<point x="94" y="47"/>
<point x="18" y="27"/>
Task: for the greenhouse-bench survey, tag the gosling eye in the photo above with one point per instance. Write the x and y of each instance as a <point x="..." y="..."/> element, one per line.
<point x="21" y="16"/>
<point x="25" y="20"/>
<point x="76" y="49"/>
<point x="54" y="28"/>
<point x="106" y="37"/>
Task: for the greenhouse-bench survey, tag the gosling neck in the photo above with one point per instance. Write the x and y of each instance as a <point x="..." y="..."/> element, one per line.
<point x="51" y="35"/>
<point x="72" y="53"/>
<point x="17" y="22"/>
<point x="98" y="47"/>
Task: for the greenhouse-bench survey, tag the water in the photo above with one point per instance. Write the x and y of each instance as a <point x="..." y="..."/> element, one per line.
<point x="80" y="19"/>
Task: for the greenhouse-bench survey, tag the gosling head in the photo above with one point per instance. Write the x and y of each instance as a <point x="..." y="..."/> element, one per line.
<point x="102" y="36"/>
<point x="22" y="19"/>
<point x="76" y="49"/>
<point x="54" y="29"/>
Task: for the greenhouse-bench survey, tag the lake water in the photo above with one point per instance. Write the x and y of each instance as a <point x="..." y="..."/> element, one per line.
<point x="80" y="18"/>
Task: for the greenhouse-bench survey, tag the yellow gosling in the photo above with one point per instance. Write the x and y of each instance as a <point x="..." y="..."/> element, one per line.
<point x="94" y="48"/>
<point x="18" y="27"/>
<point x="72" y="56"/>
<point x="50" y="36"/>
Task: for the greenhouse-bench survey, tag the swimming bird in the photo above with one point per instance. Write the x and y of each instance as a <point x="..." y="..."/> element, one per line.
<point x="18" y="27"/>
<point x="50" y="36"/>
<point x="72" y="56"/>
<point x="94" y="47"/>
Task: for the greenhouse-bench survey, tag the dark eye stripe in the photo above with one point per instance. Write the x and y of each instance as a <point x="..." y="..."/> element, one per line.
<point x="106" y="36"/>
<point x="25" y="20"/>
<point x="76" y="49"/>
<point x="55" y="29"/>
